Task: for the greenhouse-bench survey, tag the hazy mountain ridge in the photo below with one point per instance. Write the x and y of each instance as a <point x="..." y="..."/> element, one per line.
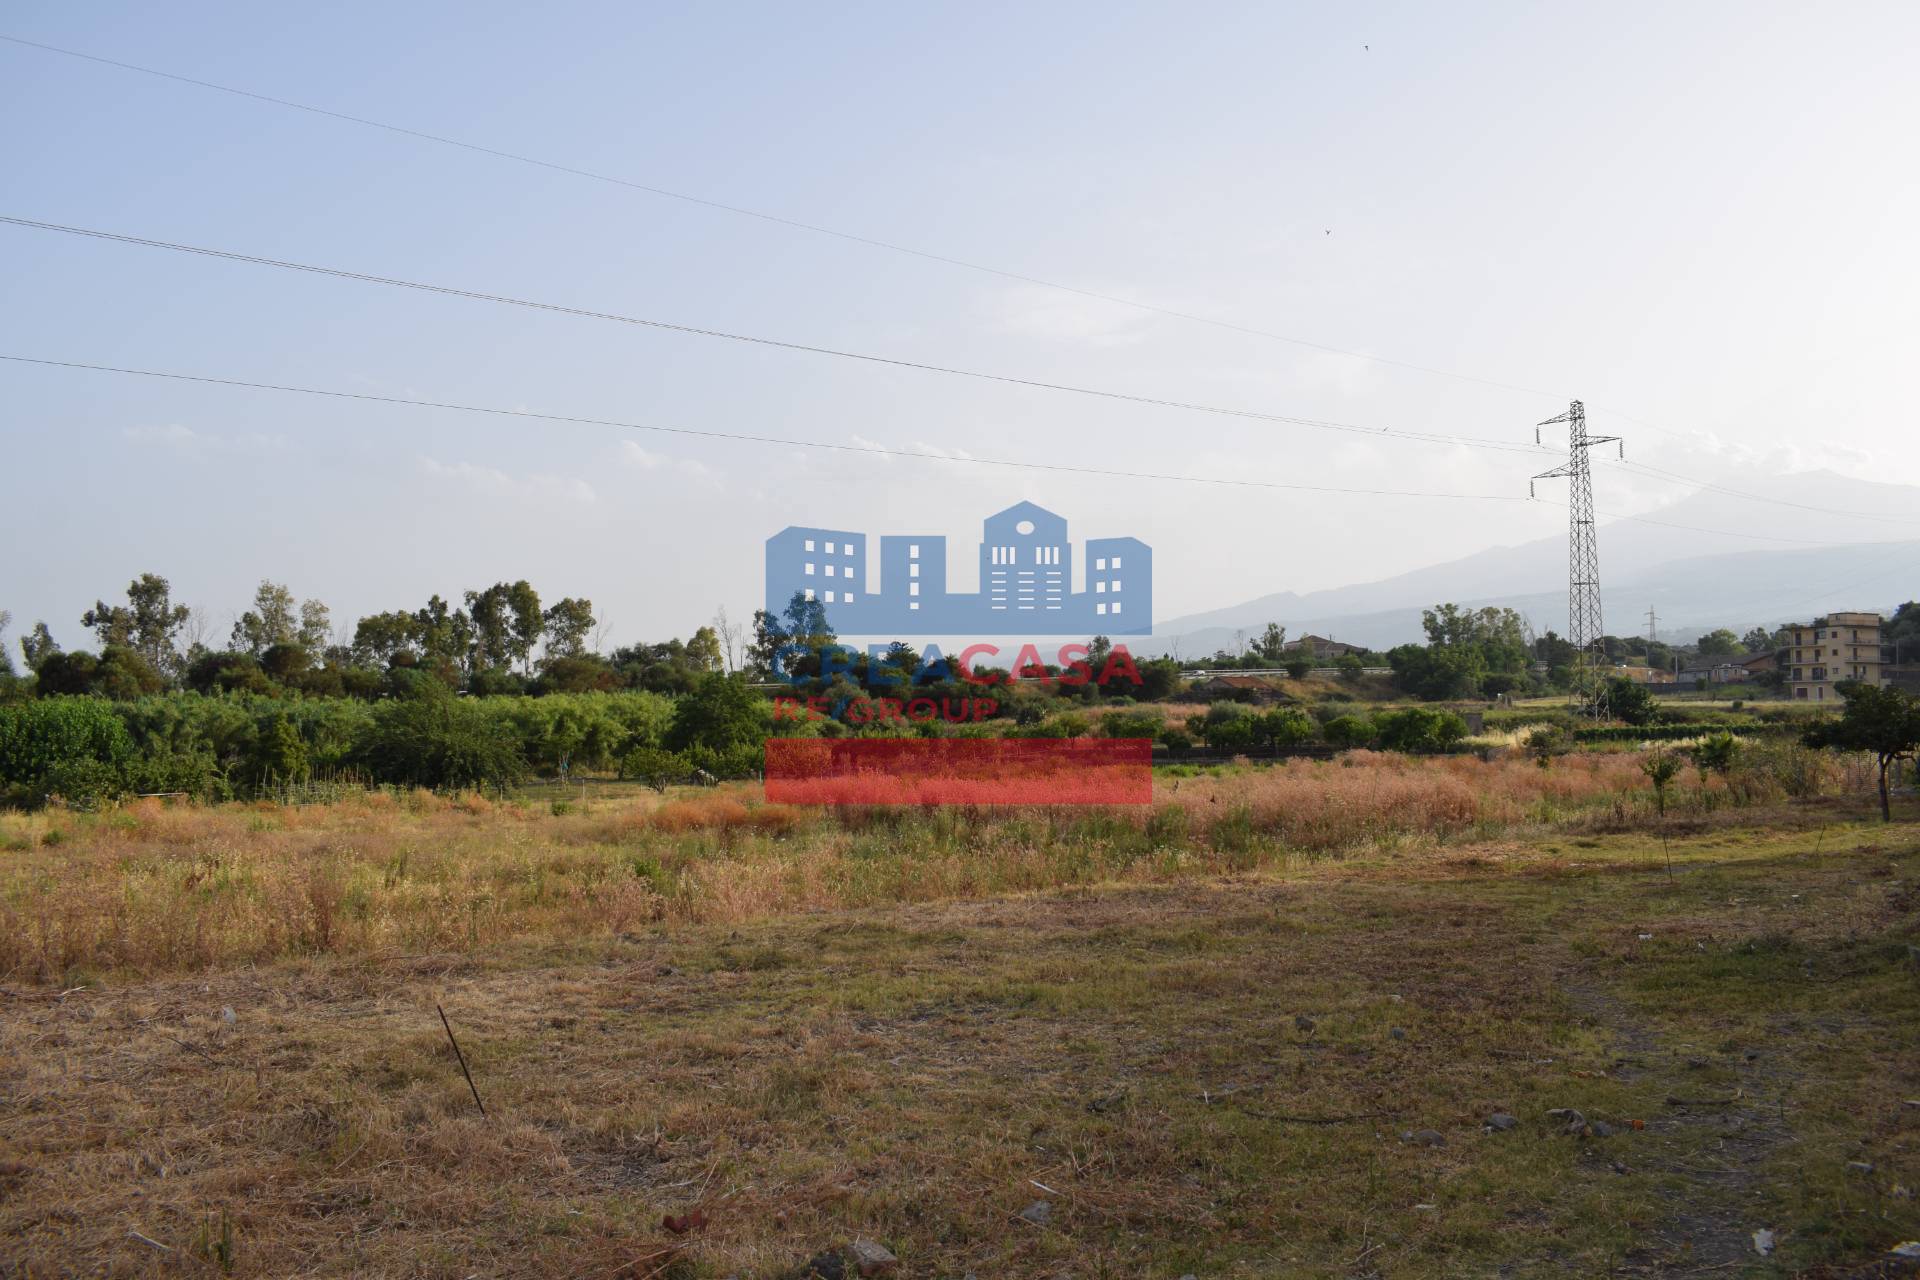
<point x="1710" y="573"/>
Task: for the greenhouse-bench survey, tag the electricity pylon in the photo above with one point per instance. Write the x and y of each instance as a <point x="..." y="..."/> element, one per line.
<point x="1584" y="628"/>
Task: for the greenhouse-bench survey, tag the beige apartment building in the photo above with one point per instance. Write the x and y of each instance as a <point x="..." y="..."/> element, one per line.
<point x="1832" y="650"/>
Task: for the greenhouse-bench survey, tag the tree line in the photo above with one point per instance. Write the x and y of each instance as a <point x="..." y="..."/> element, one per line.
<point x="500" y="639"/>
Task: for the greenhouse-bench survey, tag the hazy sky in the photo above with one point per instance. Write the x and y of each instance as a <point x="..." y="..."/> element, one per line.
<point x="1700" y="215"/>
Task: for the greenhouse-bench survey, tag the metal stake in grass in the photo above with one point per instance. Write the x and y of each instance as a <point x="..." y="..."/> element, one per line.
<point x="462" y="1057"/>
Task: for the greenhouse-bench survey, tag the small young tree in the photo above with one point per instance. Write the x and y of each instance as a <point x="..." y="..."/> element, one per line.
<point x="1632" y="702"/>
<point x="1544" y="743"/>
<point x="1661" y="767"/>
<point x="1885" y="722"/>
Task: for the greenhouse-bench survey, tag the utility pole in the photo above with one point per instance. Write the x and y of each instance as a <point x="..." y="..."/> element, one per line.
<point x="1584" y="627"/>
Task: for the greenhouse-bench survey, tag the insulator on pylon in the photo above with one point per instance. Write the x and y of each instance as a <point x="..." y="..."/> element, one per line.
<point x="1623" y="451"/>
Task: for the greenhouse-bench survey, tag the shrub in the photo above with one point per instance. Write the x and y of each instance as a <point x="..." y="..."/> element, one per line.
<point x="1631" y="702"/>
<point x="1347" y="732"/>
<point x="436" y="741"/>
<point x="76" y="748"/>
<point x="1228" y="726"/>
<point x="1285" y="727"/>
<point x="1716" y="753"/>
<point x="1418" y="729"/>
<point x="742" y="760"/>
<point x="1546" y="742"/>
<point x="721" y="715"/>
<point x="84" y="783"/>
<point x="1145" y="723"/>
<point x="654" y="766"/>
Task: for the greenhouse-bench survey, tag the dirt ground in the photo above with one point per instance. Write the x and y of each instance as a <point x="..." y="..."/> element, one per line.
<point x="1259" y="1076"/>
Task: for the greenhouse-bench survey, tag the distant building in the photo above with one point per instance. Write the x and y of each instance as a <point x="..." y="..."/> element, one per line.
<point x="1760" y="664"/>
<point x="1244" y="688"/>
<point x="1645" y="675"/>
<point x="1832" y="650"/>
<point x="1717" y="670"/>
<point x="1323" y="648"/>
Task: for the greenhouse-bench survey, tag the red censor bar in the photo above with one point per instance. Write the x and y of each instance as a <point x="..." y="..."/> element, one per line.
<point x="973" y="771"/>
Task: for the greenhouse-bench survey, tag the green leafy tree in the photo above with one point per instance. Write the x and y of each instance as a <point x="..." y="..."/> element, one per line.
<point x="569" y="623"/>
<point x="1545" y="743"/>
<point x="1902" y="632"/>
<point x="70" y="673"/>
<point x="586" y="674"/>
<point x="1351" y="667"/>
<point x="280" y="753"/>
<point x="1718" y="644"/>
<point x="1884" y="722"/>
<point x="446" y="639"/>
<point x="703" y="651"/>
<point x="75" y="748"/>
<point x="286" y="663"/>
<point x="1348" y="732"/>
<point x="1661" y="768"/>
<point x="379" y="638"/>
<point x="1159" y="677"/>
<point x="147" y="623"/>
<point x="721" y="714"/>
<point x="125" y="673"/>
<point x="1229" y="726"/>
<point x="38" y="645"/>
<point x="433" y="739"/>
<point x="316" y="627"/>
<point x="1438" y="671"/>
<point x="1758" y="640"/>
<point x="526" y="622"/>
<point x="1418" y="729"/>
<point x="1271" y="644"/>
<point x="1285" y="727"/>
<point x="6" y="659"/>
<point x="274" y="619"/>
<point x="492" y="627"/>
<point x="656" y="768"/>
<point x="801" y="625"/>
<point x="1633" y="703"/>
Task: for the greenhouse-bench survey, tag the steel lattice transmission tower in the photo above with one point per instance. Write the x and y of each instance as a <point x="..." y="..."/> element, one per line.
<point x="1584" y="628"/>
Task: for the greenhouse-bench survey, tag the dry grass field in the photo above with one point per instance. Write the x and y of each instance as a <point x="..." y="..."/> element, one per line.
<point x="1255" y="1030"/>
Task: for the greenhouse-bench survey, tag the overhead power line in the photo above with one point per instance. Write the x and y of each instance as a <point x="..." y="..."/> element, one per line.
<point x="1476" y="442"/>
<point x="777" y="219"/>
<point x="924" y="455"/>
<point x="927" y="455"/>
<point x="814" y="228"/>
<point x="1630" y="465"/>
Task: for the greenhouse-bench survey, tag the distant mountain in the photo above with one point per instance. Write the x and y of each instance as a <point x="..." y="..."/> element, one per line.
<point x="1697" y="562"/>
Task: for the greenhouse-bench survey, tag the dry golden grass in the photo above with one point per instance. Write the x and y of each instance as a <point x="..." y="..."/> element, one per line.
<point x="152" y="889"/>
<point x="917" y="1073"/>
